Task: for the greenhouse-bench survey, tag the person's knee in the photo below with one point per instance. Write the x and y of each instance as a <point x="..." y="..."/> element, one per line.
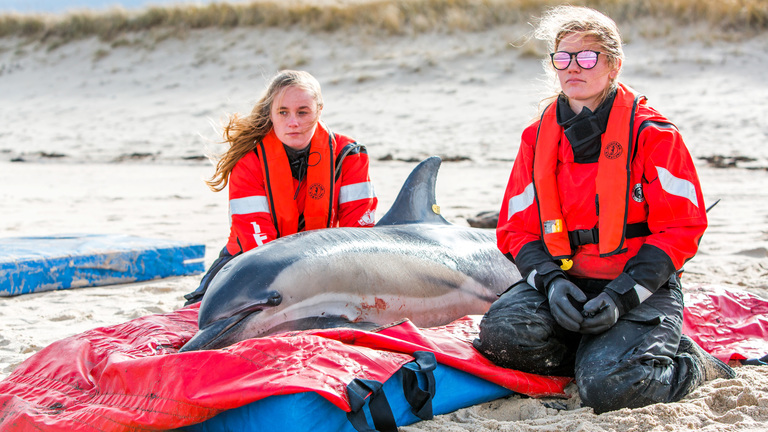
<point x="514" y="319"/>
<point x="522" y="347"/>
<point x="601" y="390"/>
<point x="511" y="326"/>
<point x="609" y="386"/>
<point x="516" y="335"/>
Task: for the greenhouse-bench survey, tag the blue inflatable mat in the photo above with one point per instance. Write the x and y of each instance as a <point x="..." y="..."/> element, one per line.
<point x="37" y="264"/>
<point x="308" y="411"/>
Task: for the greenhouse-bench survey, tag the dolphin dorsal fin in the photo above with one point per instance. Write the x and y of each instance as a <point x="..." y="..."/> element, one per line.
<point x="416" y="201"/>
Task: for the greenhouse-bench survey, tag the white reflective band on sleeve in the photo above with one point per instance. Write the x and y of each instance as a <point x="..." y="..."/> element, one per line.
<point x="642" y="292"/>
<point x="248" y="205"/>
<point x="677" y="186"/>
<point x="521" y="202"/>
<point x="356" y="192"/>
<point x="531" y="278"/>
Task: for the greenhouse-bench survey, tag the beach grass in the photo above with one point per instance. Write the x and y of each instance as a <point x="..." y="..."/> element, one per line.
<point x="385" y="17"/>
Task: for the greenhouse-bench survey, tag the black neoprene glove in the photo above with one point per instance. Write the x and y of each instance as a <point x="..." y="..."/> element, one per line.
<point x="600" y="314"/>
<point x="560" y="292"/>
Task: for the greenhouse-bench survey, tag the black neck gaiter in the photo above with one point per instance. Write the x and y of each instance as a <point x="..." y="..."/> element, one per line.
<point x="584" y="129"/>
<point x="298" y="160"/>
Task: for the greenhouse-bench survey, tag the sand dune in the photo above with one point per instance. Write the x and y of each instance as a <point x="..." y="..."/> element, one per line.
<point x="110" y="138"/>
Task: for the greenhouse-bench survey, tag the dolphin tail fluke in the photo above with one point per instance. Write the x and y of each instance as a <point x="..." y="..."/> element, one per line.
<point x="416" y="201"/>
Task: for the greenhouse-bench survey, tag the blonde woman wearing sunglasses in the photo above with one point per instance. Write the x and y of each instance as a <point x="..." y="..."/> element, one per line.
<point x="602" y="209"/>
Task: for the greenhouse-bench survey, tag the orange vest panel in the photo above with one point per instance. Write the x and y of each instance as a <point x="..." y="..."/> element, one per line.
<point x="612" y="178"/>
<point x="278" y="181"/>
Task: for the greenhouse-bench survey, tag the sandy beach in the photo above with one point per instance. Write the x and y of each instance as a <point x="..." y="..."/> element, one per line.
<point x="104" y="137"/>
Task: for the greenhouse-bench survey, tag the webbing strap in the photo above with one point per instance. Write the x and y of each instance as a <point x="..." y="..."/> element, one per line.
<point x="591" y="236"/>
<point x="350" y="148"/>
<point x="419" y="371"/>
<point x="420" y="400"/>
<point x="381" y="413"/>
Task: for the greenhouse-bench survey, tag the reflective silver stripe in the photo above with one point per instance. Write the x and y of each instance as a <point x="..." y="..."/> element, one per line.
<point x="356" y="192"/>
<point x="642" y="292"/>
<point x="677" y="186"/>
<point x="248" y="205"/>
<point x="521" y="202"/>
<point x="531" y="279"/>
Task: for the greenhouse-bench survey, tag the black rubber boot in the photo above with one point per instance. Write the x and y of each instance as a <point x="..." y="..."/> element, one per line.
<point x="710" y="366"/>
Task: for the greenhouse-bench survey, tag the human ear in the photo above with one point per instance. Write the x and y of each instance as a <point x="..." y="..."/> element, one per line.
<point x="617" y="67"/>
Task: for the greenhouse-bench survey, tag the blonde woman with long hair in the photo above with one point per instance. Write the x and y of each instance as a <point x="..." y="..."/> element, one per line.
<point x="287" y="172"/>
<point x="602" y="209"/>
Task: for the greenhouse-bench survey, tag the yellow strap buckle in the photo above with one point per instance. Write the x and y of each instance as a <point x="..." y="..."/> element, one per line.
<point x="566" y="264"/>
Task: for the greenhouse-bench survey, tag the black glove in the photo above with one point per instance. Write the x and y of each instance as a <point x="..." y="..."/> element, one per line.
<point x="561" y="292"/>
<point x="600" y="314"/>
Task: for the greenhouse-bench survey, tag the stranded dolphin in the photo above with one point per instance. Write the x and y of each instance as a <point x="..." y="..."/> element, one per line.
<point x="413" y="264"/>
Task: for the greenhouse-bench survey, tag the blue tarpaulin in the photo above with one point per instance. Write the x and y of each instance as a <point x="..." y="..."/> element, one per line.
<point x="37" y="264"/>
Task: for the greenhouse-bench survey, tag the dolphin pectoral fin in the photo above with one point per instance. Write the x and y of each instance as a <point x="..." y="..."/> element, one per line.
<point x="214" y="335"/>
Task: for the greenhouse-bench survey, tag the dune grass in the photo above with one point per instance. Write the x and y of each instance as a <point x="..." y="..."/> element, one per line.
<point x="384" y="17"/>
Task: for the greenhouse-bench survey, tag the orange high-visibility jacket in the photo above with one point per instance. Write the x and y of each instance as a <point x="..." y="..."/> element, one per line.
<point x="645" y="175"/>
<point x="263" y="199"/>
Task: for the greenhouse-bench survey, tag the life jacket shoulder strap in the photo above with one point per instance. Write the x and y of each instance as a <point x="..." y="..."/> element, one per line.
<point x="649" y="123"/>
<point x="349" y="149"/>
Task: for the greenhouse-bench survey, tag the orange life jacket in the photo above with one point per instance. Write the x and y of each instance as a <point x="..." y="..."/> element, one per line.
<point x="279" y="184"/>
<point x="612" y="178"/>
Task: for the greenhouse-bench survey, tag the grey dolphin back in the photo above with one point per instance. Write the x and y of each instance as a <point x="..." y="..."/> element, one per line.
<point x="416" y="201"/>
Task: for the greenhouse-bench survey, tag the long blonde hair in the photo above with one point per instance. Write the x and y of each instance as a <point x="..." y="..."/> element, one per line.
<point x="243" y="133"/>
<point x="561" y="21"/>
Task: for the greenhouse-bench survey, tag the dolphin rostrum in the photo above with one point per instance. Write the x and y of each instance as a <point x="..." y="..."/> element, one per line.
<point x="413" y="264"/>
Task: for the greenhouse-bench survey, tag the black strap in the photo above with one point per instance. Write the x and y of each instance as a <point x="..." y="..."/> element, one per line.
<point x="583" y="237"/>
<point x="381" y="412"/>
<point x="421" y="370"/>
<point x="420" y="400"/>
<point x="592" y="236"/>
<point x="348" y="149"/>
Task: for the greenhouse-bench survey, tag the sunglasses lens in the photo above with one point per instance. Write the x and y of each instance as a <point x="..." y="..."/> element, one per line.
<point x="586" y="59"/>
<point x="561" y="60"/>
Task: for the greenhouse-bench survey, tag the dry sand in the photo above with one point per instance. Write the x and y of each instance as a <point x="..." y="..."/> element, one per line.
<point x="111" y="139"/>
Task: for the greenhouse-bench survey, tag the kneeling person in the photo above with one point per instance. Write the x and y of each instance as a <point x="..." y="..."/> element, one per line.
<point x="602" y="209"/>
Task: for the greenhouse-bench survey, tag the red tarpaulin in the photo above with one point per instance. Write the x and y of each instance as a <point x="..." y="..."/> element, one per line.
<point x="131" y="376"/>
<point x="731" y="325"/>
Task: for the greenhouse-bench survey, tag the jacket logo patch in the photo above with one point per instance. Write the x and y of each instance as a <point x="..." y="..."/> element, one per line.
<point x="637" y="193"/>
<point x="553" y="226"/>
<point x="368" y="219"/>
<point x="316" y="191"/>
<point x="613" y="150"/>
